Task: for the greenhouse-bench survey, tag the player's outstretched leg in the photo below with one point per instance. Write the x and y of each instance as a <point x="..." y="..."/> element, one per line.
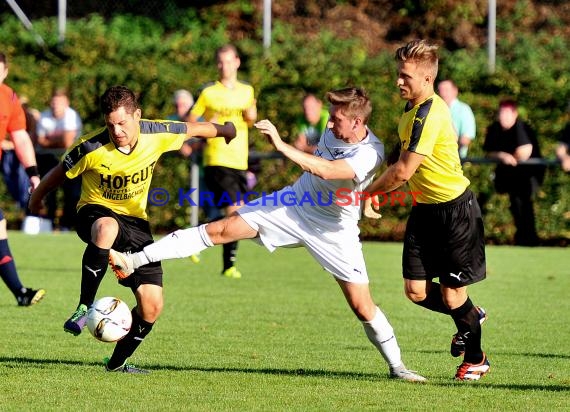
<point x="381" y="334"/>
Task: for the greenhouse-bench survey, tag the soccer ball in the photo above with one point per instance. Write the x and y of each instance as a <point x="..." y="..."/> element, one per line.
<point x="109" y="319"/>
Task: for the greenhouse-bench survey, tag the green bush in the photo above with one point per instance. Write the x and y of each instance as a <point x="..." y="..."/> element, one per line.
<point x="153" y="60"/>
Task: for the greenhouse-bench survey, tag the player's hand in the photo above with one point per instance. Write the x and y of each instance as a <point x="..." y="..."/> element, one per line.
<point x="35" y="204"/>
<point x="269" y="129"/>
<point x="229" y="131"/>
<point x="370" y="210"/>
<point x="34" y="182"/>
<point x="508" y="159"/>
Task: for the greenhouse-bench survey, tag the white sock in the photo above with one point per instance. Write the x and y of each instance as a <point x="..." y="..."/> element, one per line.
<point x="381" y="334"/>
<point x="179" y="244"/>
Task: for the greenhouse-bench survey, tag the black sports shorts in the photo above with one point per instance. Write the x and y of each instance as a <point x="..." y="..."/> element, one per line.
<point x="134" y="234"/>
<point x="227" y="185"/>
<point x="445" y="240"/>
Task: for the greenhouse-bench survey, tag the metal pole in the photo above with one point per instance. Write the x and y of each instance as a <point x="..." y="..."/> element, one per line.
<point x="266" y="24"/>
<point x="61" y="20"/>
<point x="25" y="21"/>
<point x="492" y="35"/>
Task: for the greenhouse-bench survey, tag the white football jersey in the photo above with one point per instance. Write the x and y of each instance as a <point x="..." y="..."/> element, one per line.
<point x="340" y="200"/>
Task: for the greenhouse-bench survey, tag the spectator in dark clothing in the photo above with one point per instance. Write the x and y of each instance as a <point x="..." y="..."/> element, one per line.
<point x="512" y="141"/>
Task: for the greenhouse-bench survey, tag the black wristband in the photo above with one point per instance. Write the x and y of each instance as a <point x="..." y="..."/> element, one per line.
<point x="32" y="171"/>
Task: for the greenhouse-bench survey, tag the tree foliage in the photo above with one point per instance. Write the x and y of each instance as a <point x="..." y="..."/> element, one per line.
<point x="155" y="57"/>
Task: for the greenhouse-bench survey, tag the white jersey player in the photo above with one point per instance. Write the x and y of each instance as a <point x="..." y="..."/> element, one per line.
<point x="320" y="211"/>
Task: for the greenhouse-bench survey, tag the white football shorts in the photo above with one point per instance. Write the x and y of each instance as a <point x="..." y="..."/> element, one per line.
<point x="338" y="250"/>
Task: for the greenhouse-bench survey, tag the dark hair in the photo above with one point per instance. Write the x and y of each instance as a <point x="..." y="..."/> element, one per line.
<point x="118" y="96"/>
<point x="3" y="59"/>
<point x="508" y="102"/>
<point x="353" y="102"/>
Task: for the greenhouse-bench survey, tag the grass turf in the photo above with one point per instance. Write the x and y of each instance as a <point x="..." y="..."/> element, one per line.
<point x="283" y="338"/>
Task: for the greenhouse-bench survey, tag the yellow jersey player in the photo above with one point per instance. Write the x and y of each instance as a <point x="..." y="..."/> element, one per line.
<point x="444" y="234"/>
<point x="225" y="166"/>
<point x="116" y="163"/>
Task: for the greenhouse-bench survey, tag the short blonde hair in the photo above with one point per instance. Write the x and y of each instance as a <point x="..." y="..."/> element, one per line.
<point x="353" y="102"/>
<point x="421" y="52"/>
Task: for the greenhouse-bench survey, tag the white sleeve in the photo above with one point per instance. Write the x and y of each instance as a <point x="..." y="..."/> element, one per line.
<point x="363" y="162"/>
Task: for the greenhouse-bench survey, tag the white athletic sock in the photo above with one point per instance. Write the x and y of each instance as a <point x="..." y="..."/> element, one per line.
<point x="179" y="244"/>
<point x="381" y="334"/>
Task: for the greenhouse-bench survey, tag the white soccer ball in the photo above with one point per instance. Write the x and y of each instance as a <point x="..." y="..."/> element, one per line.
<point x="109" y="319"/>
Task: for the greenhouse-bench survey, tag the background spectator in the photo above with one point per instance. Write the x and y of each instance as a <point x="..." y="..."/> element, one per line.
<point x="57" y="129"/>
<point x="563" y="148"/>
<point x="461" y="115"/>
<point x="311" y="125"/>
<point x="510" y="140"/>
<point x="183" y="102"/>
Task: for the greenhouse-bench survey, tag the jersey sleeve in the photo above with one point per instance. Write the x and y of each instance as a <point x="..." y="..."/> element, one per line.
<point x="468" y="125"/>
<point x="199" y="107"/>
<point x="364" y="161"/>
<point x="523" y="135"/>
<point x="425" y="131"/>
<point x="75" y="161"/>
<point x="17" y="120"/>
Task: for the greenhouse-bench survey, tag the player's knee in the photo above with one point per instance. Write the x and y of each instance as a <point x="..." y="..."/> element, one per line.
<point x="104" y="229"/>
<point x="150" y="311"/>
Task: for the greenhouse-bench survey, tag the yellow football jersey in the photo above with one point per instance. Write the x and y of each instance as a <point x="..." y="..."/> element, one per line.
<point x="218" y="103"/>
<point x="427" y="129"/>
<point x="117" y="180"/>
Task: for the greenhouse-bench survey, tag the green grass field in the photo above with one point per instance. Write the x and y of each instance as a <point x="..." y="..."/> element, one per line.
<point x="283" y="338"/>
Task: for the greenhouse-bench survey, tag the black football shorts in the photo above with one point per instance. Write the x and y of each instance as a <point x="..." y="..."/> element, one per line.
<point x="445" y="240"/>
<point x="134" y="235"/>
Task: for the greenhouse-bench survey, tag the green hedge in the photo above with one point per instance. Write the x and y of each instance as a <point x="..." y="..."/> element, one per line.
<point x="140" y="53"/>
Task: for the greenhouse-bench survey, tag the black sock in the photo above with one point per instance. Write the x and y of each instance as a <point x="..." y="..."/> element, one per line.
<point x="434" y="300"/>
<point x="230" y="254"/>
<point x="127" y="346"/>
<point x="93" y="267"/>
<point x="466" y="318"/>
<point x="8" y="270"/>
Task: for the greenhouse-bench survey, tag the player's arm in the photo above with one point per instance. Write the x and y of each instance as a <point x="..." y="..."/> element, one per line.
<point x="25" y="153"/>
<point x="395" y="176"/>
<point x="523" y="152"/>
<point x="193" y="118"/>
<point x="325" y="169"/>
<point x="563" y="156"/>
<point x="250" y="114"/>
<point x="302" y="144"/>
<point x="468" y="127"/>
<point x="398" y="173"/>
<point x="59" y="139"/>
<point x="503" y="157"/>
<point x="208" y="130"/>
<point x="53" y="179"/>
